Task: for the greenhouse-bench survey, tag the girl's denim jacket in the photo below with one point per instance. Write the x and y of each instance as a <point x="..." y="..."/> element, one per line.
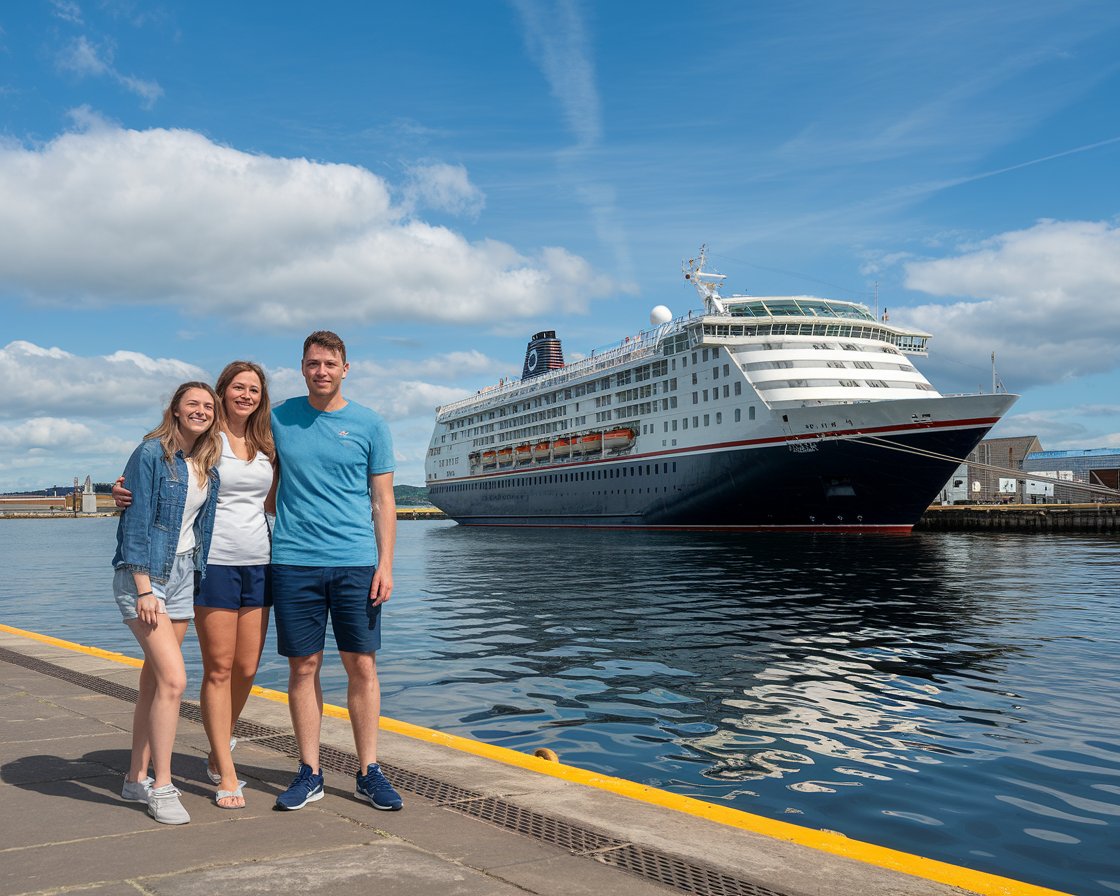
<point x="148" y="530"/>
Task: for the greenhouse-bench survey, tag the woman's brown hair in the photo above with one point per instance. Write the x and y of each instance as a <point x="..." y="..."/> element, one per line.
<point x="207" y="450"/>
<point x="258" y="428"/>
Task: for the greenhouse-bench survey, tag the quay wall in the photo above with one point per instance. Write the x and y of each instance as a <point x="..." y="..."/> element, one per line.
<point x="972" y="517"/>
<point x="403" y="513"/>
<point x="1022" y="518"/>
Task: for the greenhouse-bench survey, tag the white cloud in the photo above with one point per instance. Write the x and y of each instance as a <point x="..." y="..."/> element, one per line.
<point x="555" y="40"/>
<point x="1045" y="299"/>
<point x="68" y="11"/>
<point x="51" y="381"/>
<point x="43" y="451"/>
<point x="64" y="415"/>
<point x="169" y="217"/>
<point x="44" y="432"/>
<point x="444" y="188"/>
<point x="83" y="58"/>
<point x="1067" y="428"/>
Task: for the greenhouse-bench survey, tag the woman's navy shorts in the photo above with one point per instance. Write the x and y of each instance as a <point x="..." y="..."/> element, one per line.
<point x="235" y="587"/>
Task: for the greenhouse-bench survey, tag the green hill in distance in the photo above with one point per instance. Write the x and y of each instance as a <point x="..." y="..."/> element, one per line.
<point x="411" y="496"/>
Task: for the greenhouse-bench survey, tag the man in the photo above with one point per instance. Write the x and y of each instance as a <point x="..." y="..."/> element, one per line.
<point x="335" y="460"/>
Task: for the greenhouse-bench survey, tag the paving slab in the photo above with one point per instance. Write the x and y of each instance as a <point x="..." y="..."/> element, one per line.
<point x="386" y="867"/>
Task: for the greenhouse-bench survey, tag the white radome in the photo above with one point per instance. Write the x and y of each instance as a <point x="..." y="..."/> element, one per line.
<point x="660" y="314"/>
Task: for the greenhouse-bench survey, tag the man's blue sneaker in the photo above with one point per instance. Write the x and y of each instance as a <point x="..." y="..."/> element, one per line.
<point x="375" y="787"/>
<point x="306" y="788"/>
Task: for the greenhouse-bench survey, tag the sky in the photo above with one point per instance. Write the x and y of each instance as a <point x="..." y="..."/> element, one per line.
<point x="187" y="183"/>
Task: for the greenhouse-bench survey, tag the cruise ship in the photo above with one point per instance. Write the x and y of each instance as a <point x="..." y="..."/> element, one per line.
<point x="756" y="412"/>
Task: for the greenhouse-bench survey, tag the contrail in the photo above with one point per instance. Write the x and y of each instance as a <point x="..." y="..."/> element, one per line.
<point x="1049" y="158"/>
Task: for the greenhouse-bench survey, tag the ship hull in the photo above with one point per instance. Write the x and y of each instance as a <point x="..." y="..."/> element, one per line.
<point x="878" y="481"/>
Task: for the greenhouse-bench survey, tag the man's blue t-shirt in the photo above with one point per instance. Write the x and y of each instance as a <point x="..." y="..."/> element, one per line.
<point x="323" y="503"/>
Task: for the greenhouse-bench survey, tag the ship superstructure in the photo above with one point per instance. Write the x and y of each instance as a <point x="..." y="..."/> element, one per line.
<point x="790" y="412"/>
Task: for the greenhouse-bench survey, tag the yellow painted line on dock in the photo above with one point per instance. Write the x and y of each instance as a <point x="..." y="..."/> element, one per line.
<point x="77" y="648"/>
<point x="825" y="841"/>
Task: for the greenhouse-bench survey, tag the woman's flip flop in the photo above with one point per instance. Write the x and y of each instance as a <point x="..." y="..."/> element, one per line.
<point x="229" y="794"/>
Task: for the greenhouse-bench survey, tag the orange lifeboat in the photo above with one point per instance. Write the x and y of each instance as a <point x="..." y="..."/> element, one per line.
<point x="505" y="457"/>
<point x="489" y="458"/>
<point x="523" y="453"/>
<point x="591" y="443"/>
<point x="619" y="438"/>
<point x="562" y="447"/>
<point x="540" y="451"/>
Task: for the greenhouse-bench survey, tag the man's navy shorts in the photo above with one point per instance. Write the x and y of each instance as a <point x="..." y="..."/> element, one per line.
<point x="304" y="595"/>
<point x="234" y="587"/>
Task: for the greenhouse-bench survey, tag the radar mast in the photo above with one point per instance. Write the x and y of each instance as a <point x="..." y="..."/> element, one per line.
<point x="706" y="283"/>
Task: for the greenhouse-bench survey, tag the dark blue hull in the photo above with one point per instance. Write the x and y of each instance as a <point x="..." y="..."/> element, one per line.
<point x="838" y="483"/>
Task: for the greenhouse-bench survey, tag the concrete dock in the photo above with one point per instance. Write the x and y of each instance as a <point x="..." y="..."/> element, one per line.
<point x="1038" y="518"/>
<point x="478" y="819"/>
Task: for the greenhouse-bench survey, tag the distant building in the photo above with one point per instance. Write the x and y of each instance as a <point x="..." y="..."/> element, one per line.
<point x="1093" y="466"/>
<point x="991" y="486"/>
<point x="89" y="499"/>
<point x="32" y="503"/>
<point x="956" y="490"/>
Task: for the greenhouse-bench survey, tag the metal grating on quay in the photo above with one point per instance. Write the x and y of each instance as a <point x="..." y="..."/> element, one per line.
<point x="651" y="864"/>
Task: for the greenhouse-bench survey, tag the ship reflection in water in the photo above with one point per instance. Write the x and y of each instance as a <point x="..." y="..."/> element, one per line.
<point x="948" y="695"/>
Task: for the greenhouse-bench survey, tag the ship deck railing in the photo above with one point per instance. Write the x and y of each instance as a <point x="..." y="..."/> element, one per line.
<point x="632" y="348"/>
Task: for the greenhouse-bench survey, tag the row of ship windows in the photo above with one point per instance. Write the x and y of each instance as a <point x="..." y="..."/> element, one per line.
<point x="664" y="386"/>
<point x="810" y="362"/>
<point x="671" y="425"/>
<point x="626" y="377"/>
<point x="847" y="384"/>
<point x="817" y="346"/>
<point x="666" y="404"/>
<point x="622" y="413"/>
<point x="647" y="428"/>
<point x="842" y="331"/>
<point x="631" y="471"/>
<point x="627" y="412"/>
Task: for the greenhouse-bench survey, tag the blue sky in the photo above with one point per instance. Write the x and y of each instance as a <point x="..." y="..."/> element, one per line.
<point x="182" y="184"/>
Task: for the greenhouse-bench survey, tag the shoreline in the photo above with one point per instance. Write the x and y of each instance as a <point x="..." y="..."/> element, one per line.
<point x="403" y="513"/>
<point x="1036" y="518"/>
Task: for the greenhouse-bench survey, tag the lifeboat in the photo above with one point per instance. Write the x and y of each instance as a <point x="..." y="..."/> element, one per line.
<point x="523" y="453"/>
<point x="618" y="438"/>
<point x="540" y="451"/>
<point x="489" y="458"/>
<point x="591" y="443"/>
<point x="562" y="447"/>
<point x="505" y="457"/>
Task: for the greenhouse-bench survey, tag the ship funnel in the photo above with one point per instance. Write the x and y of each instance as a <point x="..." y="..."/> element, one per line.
<point x="543" y="354"/>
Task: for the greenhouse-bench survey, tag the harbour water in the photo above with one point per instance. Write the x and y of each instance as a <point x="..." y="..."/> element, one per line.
<point x="952" y="695"/>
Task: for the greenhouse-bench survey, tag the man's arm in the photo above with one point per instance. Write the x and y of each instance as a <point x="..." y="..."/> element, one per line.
<point x="385" y="533"/>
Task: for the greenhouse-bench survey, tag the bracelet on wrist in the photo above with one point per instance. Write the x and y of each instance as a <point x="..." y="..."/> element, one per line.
<point x="144" y="594"/>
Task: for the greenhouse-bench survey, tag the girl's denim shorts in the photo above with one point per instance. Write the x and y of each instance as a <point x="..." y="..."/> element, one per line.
<point x="176" y="598"/>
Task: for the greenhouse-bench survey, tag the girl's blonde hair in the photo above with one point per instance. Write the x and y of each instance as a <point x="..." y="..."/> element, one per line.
<point x="258" y="428"/>
<point x="207" y="449"/>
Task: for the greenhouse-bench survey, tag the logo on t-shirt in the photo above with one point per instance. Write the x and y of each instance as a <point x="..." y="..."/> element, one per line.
<point x="344" y="433"/>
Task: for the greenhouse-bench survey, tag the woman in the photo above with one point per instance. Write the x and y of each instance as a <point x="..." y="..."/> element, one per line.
<point x="231" y="607"/>
<point x="162" y="544"/>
